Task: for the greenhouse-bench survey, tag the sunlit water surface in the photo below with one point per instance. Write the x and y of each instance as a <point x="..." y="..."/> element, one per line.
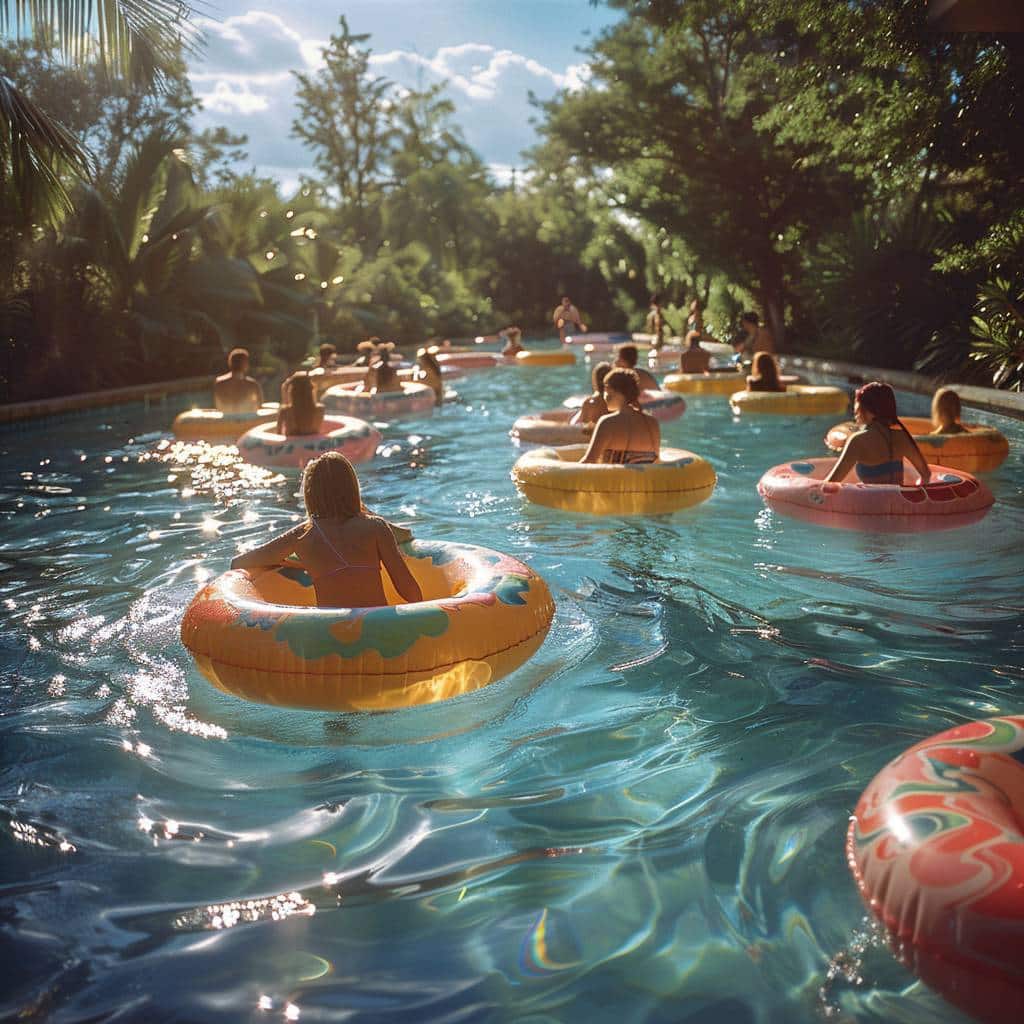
<point x="644" y="823"/>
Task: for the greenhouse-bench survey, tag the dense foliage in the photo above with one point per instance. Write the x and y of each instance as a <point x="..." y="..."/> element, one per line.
<point x="850" y="175"/>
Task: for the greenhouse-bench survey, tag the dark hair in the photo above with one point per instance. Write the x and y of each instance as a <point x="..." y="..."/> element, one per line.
<point x="626" y="382"/>
<point x="301" y="396"/>
<point x="765" y="369"/>
<point x="880" y="400"/>
<point x="330" y="488"/>
<point x="598" y="374"/>
<point x="628" y="354"/>
<point x="750" y="317"/>
<point x="238" y="360"/>
<point x="427" y="358"/>
<point x="655" y="299"/>
<point x="385" y="372"/>
<point x="326" y="351"/>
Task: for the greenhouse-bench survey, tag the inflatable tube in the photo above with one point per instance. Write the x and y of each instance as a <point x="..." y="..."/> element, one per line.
<point x="554" y="477"/>
<point x="796" y="400"/>
<point x="469" y="360"/>
<point x="219" y="427"/>
<point x="662" y="405"/>
<point x="549" y="427"/>
<point x="413" y="400"/>
<point x="600" y="339"/>
<point x="264" y="446"/>
<point x="447" y="373"/>
<point x="546" y="357"/>
<point x="797" y="489"/>
<point x="705" y="383"/>
<point x="936" y="846"/>
<point x="980" y="450"/>
<point x="258" y="635"/>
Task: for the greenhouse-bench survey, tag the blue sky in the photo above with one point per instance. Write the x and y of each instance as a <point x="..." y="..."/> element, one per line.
<point x="492" y="53"/>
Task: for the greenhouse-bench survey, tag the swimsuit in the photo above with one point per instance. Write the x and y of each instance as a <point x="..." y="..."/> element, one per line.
<point x="890" y="472"/>
<point x="629" y="456"/>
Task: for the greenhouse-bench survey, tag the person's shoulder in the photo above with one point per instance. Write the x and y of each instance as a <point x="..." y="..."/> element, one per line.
<point x="222" y="378"/>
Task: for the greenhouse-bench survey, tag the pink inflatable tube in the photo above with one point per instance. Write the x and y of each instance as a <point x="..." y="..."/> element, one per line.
<point x="470" y="360"/>
<point x="952" y="499"/>
<point x="355" y="439"/>
<point x="351" y="400"/>
<point x="662" y="405"/>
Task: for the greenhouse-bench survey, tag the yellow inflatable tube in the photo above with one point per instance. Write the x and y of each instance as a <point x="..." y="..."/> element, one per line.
<point x="220" y="427"/>
<point x="724" y="383"/>
<point x="555" y="477"/>
<point x="546" y="357"/>
<point x="796" y="400"/>
<point x="979" y="449"/>
<point x="258" y="634"/>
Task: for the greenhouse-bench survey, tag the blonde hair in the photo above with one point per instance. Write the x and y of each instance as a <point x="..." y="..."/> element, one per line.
<point x="330" y="488"/>
<point x="945" y="405"/>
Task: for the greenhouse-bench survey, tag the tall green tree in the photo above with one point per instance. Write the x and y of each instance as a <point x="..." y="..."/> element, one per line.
<point x="345" y="118"/>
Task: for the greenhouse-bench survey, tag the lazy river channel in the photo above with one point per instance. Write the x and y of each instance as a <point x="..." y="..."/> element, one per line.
<point x="644" y="823"/>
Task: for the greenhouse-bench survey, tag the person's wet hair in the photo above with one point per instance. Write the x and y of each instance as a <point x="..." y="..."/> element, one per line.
<point x="330" y="488"/>
<point x="301" y="395"/>
<point x="326" y="351"/>
<point x="880" y="400"/>
<point x="628" y="354"/>
<point x="386" y="373"/>
<point x="765" y="369"/>
<point x="238" y="360"/>
<point x="598" y="375"/>
<point x="625" y="382"/>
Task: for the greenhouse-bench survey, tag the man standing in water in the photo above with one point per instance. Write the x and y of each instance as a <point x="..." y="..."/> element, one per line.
<point x="566" y="318"/>
<point x="236" y="391"/>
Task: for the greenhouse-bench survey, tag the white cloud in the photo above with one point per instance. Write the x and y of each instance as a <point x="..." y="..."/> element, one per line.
<point x="244" y="81"/>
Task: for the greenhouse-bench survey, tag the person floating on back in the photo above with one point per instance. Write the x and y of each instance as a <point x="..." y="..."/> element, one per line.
<point x="627" y="435"/>
<point x="693" y="358"/>
<point x="626" y="357"/>
<point x="567" y="319"/>
<point x="235" y="391"/>
<point x="300" y="414"/>
<point x="340" y="544"/>
<point x="875" y="453"/>
<point x="946" y="413"/>
<point x="765" y="376"/>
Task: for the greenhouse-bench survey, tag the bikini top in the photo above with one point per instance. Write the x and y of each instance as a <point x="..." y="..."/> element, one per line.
<point x="344" y="565"/>
<point x="630" y="456"/>
<point x="890" y="472"/>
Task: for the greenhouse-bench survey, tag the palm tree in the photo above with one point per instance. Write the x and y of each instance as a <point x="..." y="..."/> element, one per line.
<point x="135" y="39"/>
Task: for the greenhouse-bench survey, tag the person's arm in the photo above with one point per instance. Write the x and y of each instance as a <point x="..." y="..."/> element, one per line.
<point x="274" y="552"/>
<point x="655" y="430"/>
<point x="597" y="442"/>
<point x="845" y="462"/>
<point x="282" y="413"/>
<point x="404" y="581"/>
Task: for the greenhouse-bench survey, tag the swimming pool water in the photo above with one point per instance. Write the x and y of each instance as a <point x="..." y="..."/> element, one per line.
<point x="644" y="823"/>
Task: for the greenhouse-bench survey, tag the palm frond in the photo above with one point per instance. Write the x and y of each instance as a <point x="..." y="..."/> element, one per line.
<point x="36" y="153"/>
<point x="133" y="39"/>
